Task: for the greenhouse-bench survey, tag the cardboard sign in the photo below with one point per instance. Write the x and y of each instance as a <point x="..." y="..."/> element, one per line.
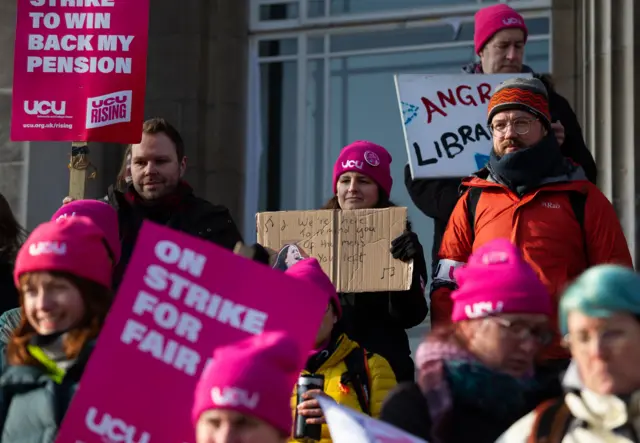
<point x="352" y="246"/>
<point x="444" y="118"/>
<point x="80" y="69"/>
<point x="181" y="297"/>
<point x="348" y="426"/>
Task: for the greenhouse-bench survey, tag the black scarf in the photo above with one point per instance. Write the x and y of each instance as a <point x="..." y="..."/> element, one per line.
<point x="527" y="169"/>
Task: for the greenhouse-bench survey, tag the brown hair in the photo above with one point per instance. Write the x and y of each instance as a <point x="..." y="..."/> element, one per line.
<point x="448" y="333"/>
<point x="125" y="171"/>
<point x="158" y="125"/>
<point x="12" y="234"/>
<point x="97" y="300"/>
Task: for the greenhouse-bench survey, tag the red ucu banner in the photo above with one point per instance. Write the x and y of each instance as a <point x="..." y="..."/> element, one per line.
<point x="80" y="70"/>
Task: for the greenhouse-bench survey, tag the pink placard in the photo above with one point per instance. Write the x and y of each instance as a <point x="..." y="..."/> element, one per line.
<point x="180" y="298"/>
<point x="80" y="70"/>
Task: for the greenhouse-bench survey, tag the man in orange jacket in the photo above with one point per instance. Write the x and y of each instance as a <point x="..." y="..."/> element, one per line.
<point x="532" y="195"/>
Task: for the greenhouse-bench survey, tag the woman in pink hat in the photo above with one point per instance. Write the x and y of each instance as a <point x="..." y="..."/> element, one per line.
<point x="63" y="276"/>
<point x="104" y="217"/>
<point x="258" y="373"/>
<point x="353" y="376"/>
<point x="475" y="375"/>
<point x="362" y="180"/>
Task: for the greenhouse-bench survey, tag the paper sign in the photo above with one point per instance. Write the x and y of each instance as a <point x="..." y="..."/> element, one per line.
<point x="444" y="118"/>
<point x="80" y="69"/>
<point x="181" y="297"/>
<point x="348" y="426"/>
<point x="351" y="246"/>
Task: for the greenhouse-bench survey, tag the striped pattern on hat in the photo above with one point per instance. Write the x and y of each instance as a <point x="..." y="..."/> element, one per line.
<point x="527" y="94"/>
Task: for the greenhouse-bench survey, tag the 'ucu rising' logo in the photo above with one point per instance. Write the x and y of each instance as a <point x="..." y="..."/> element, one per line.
<point x="352" y="164"/>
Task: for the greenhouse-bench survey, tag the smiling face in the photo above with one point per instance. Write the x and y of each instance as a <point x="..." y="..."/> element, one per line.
<point x="356" y="191"/>
<point x="51" y="303"/>
<point x="155" y="167"/>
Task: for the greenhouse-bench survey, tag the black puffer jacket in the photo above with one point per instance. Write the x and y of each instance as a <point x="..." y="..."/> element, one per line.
<point x="378" y="320"/>
<point x="8" y="291"/>
<point x="436" y="198"/>
<point x="193" y="216"/>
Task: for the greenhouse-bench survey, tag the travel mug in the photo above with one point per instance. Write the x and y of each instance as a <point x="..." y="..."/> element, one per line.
<point x="302" y="430"/>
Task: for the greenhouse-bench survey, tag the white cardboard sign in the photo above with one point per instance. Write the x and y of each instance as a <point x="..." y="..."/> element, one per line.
<point x="349" y="426"/>
<point x="444" y="118"/>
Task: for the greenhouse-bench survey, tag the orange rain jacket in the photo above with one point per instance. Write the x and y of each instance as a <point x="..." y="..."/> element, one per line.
<point x="543" y="224"/>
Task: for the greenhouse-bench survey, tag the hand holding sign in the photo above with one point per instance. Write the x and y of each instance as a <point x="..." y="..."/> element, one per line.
<point x="445" y="121"/>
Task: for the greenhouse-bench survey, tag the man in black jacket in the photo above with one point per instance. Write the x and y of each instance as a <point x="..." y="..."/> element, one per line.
<point x="500" y="37"/>
<point x="158" y="193"/>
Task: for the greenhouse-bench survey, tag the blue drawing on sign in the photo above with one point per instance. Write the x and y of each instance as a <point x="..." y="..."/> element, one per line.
<point x="409" y="112"/>
<point x="481" y="160"/>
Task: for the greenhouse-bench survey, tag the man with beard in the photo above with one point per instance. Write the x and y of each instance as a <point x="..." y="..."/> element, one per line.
<point x="533" y="195"/>
<point x="500" y="38"/>
<point x="158" y="193"/>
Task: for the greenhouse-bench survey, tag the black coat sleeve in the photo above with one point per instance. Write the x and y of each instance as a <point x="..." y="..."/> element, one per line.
<point x="574" y="145"/>
<point x="436" y="198"/>
<point x="406" y="408"/>
<point x="230" y="236"/>
<point x="410" y="308"/>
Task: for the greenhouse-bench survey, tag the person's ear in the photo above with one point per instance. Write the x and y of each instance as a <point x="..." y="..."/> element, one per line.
<point x="183" y="166"/>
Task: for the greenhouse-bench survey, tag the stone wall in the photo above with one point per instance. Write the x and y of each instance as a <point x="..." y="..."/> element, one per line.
<point x="596" y="49"/>
<point x="12" y="155"/>
<point x="196" y="78"/>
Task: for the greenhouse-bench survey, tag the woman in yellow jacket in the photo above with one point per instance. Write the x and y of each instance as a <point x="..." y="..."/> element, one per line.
<point x="333" y="354"/>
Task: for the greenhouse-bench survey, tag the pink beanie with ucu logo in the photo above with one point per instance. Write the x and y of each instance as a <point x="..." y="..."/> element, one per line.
<point x="366" y="158"/>
<point x="498" y="280"/>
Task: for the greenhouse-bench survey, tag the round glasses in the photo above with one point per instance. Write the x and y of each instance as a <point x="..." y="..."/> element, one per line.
<point x="519" y="330"/>
<point x="521" y="126"/>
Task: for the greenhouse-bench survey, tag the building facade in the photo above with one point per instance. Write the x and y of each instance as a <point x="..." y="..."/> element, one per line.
<point x="266" y="92"/>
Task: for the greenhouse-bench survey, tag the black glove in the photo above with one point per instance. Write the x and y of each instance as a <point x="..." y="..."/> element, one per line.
<point x="406" y="247"/>
<point x="261" y="255"/>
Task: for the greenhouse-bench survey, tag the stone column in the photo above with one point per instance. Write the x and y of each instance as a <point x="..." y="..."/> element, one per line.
<point x="603" y="40"/>
<point x="12" y="155"/>
<point x="197" y="79"/>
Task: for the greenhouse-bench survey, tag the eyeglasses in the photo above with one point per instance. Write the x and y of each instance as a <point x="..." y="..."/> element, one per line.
<point x="581" y="341"/>
<point x="522" y="126"/>
<point x="518" y="330"/>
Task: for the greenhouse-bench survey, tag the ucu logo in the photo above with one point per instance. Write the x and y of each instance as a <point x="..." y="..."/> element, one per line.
<point x="352" y="164"/>
<point x="482" y="309"/>
<point x="64" y="216"/>
<point x="113" y="429"/>
<point x="44" y="107"/>
<point x="512" y="21"/>
<point x="48" y="247"/>
<point x="234" y="397"/>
